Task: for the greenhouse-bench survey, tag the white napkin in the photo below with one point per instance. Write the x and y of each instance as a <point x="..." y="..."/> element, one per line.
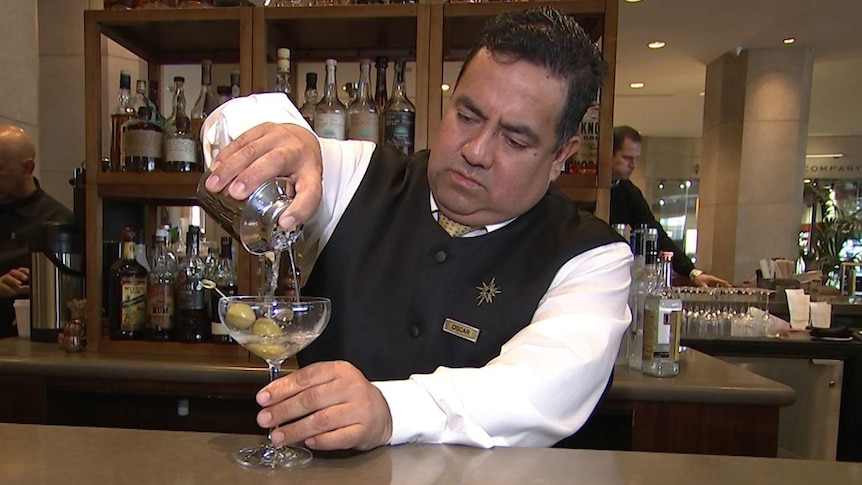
<point x="235" y="117"/>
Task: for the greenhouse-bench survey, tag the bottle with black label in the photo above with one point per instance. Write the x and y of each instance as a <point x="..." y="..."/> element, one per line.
<point x="225" y="280"/>
<point x="191" y="314"/>
<point x="127" y="293"/>
<point x="399" y="125"/>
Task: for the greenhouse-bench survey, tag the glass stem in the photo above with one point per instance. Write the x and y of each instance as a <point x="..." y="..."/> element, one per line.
<point x="274" y="369"/>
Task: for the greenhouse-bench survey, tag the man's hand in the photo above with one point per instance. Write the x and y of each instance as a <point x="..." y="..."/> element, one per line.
<point x="15" y="282"/>
<point x="706" y="280"/>
<point x="327" y="405"/>
<point x="268" y="151"/>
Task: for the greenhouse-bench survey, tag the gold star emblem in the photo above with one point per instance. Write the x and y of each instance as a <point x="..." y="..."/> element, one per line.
<point x="487" y="292"/>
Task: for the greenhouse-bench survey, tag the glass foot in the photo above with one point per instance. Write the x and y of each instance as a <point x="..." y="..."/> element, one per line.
<point x="267" y="456"/>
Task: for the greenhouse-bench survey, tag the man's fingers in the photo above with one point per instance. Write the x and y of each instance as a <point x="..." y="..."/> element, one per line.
<point x="309" y="191"/>
<point x="295" y="382"/>
<point x="19" y="275"/>
<point x="330" y="420"/>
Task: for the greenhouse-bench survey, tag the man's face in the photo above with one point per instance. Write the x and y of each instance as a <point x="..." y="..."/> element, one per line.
<point x="625" y="159"/>
<point x="494" y="154"/>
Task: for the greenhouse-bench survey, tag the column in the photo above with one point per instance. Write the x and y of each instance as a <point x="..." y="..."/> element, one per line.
<point x="755" y="128"/>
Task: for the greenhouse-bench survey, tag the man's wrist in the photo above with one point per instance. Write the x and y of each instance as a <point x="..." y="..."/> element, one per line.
<point x="694" y="274"/>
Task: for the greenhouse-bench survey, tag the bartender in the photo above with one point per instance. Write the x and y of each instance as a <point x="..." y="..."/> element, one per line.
<point x="628" y="205"/>
<point x="22" y="203"/>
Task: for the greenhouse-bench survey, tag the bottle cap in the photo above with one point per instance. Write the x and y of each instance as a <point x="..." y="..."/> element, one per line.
<point x="311" y="79"/>
<point x="125" y="79"/>
<point x="283" y="53"/>
<point x="331" y="62"/>
<point x="141" y="85"/>
<point x="179" y="79"/>
<point x="283" y="65"/>
<point x="381" y="61"/>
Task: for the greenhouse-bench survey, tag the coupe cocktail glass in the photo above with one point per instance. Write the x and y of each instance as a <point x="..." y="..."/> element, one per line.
<point x="274" y="329"/>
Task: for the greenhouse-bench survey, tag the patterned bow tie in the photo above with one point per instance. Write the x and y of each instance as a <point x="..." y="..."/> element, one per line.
<point x="455" y="229"/>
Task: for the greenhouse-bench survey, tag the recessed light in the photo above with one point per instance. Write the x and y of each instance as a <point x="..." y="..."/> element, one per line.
<point x="633" y="1"/>
<point x="702" y="93"/>
<point x="445" y="87"/>
<point x="637" y="85"/>
<point x="656" y="44"/>
<point x="789" y="40"/>
<point x="825" y="155"/>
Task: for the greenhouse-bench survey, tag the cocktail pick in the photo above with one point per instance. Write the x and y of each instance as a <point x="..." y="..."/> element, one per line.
<point x="211" y="285"/>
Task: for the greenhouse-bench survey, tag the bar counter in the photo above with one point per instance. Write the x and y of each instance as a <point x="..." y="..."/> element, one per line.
<point x="702" y="378"/>
<point x="48" y="455"/>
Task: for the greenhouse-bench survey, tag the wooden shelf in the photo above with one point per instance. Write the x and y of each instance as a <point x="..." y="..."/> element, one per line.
<point x="163" y="187"/>
<point x="172" y="348"/>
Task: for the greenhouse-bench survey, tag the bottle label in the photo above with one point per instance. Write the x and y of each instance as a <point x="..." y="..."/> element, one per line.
<point x="661" y="331"/>
<point x="160" y="306"/>
<point x="180" y="150"/>
<point x="364" y="126"/>
<point x="190" y="292"/>
<point x="133" y="306"/>
<point x="587" y="156"/>
<point x="142" y="143"/>
<point x="329" y="125"/>
<point x="399" y="130"/>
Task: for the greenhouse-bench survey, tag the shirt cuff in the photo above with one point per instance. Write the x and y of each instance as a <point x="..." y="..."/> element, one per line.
<point x="694" y="274"/>
<point x="415" y="414"/>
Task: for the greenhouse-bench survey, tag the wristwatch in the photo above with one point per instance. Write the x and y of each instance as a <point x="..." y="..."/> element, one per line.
<point x="694" y="274"/>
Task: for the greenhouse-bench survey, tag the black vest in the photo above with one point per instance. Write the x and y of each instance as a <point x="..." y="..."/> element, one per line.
<point x="394" y="276"/>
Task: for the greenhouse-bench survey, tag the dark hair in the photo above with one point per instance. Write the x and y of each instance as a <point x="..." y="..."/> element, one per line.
<point x="548" y="38"/>
<point x="623" y="132"/>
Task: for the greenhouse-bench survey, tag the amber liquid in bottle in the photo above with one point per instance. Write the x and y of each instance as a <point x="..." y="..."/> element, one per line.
<point x="142" y="144"/>
<point x="127" y="294"/>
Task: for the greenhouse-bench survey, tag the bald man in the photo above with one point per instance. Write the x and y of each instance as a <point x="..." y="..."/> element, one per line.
<point x="22" y="203"/>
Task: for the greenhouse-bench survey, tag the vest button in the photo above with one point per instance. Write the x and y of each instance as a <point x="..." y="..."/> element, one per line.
<point x="415" y="332"/>
<point x="441" y="256"/>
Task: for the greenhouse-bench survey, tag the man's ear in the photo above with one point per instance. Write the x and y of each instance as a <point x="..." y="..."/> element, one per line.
<point x="562" y="154"/>
<point x="29" y="166"/>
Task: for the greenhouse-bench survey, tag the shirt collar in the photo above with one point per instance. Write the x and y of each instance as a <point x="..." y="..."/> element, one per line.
<point x="23" y="205"/>
<point x="435" y="209"/>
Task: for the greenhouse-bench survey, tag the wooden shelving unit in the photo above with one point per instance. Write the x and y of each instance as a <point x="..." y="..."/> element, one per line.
<point x="427" y="33"/>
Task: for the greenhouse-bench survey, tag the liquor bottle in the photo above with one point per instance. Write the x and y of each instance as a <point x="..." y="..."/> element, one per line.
<point x="127" y="293"/>
<point x="181" y="149"/>
<point x="142" y="143"/>
<point x="282" y="72"/>
<point x="122" y="113"/>
<point x="311" y="98"/>
<point x="140" y="99"/>
<point x="400" y="115"/>
<point x="587" y="156"/>
<point x="363" y="117"/>
<point x="150" y="4"/>
<point x="644" y="282"/>
<point x="381" y="95"/>
<point x="160" y="293"/>
<point x="662" y="325"/>
<point x="206" y="102"/>
<point x="223" y="94"/>
<point x="234" y="84"/>
<point x="225" y="280"/>
<point x="178" y="104"/>
<point x="173" y="261"/>
<point x="351" y="89"/>
<point x="191" y="314"/>
<point x="330" y="115"/>
<point x="153" y="98"/>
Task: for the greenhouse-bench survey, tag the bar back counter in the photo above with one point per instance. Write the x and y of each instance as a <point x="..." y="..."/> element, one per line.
<point x="712" y="407"/>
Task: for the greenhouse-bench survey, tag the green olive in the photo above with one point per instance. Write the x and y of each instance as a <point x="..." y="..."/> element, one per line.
<point x="266" y="327"/>
<point x="266" y="351"/>
<point x="239" y="315"/>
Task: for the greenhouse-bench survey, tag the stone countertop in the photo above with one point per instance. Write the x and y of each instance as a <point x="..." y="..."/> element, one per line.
<point x="775" y="347"/>
<point x="702" y="378"/>
<point x="48" y="455"/>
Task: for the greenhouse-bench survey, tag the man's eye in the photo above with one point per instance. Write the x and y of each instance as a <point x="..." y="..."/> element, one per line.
<point x="465" y="117"/>
<point x="514" y="143"/>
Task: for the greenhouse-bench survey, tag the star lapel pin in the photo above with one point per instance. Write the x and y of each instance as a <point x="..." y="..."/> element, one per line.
<point x="487" y="292"/>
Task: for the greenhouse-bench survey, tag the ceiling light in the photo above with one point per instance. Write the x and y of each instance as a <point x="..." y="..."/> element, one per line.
<point x="656" y="44"/>
<point x="789" y="40"/>
<point x="637" y="85"/>
<point x="703" y="93"/>
<point x="825" y="155"/>
<point x="445" y="87"/>
<point x="633" y="1"/>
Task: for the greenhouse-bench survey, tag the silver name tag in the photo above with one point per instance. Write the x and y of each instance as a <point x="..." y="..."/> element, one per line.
<point x="462" y="330"/>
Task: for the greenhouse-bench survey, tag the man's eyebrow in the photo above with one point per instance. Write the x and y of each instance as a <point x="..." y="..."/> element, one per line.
<point x="523" y="130"/>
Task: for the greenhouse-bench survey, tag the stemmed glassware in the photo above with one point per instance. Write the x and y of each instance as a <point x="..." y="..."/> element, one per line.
<point x="274" y="328"/>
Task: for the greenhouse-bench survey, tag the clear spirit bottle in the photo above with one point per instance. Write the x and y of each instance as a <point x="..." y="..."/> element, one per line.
<point x="180" y="144"/>
<point x="363" y="117"/>
<point x="644" y="283"/>
<point x="399" y="124"/>
<point x="282" y="72"/>
<point x="160" y="293"/>
<point x="330" y="115"/>
<point x="142" y="143"/>
<point x="191" y="315"/>
<point x="127" y="293"/>
<point x="311" y="98"/>
<point x="206" y="102"/>
<point x="122" y="113"/>
<point x="225" y="280"/>
<point x="662" y="325"/>
<point x="153" y="98"/>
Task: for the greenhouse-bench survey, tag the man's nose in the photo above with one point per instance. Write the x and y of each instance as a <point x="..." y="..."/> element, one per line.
<point x="477" y="149"/>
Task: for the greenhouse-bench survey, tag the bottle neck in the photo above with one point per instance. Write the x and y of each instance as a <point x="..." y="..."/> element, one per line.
<point x="192" y="244"/>
<point x="129" y="250"/>
<point x="666" y="272"/>
<point x="398" y="89"/>
<point x="179" y="100"/>
<point x="329" y="89"/>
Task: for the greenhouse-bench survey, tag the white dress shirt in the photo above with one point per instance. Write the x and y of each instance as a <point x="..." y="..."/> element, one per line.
<point x="546" y="380"/>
